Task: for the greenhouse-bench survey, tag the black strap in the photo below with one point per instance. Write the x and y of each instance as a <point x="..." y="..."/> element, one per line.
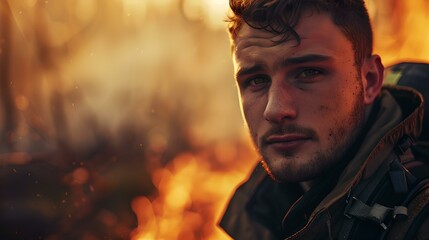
<point x="357" y="208"/>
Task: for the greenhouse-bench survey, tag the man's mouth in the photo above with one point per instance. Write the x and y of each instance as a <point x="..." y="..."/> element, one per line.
<point x="286" y="142"/>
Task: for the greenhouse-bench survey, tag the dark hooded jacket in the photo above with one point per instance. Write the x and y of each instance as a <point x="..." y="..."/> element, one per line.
<point x="264" y="209"/>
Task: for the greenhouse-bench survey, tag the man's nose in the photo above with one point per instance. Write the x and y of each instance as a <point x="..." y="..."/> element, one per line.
<point x="280" y="104"/>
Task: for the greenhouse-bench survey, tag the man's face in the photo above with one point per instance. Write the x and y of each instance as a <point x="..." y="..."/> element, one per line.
<point x="303" y="103"/>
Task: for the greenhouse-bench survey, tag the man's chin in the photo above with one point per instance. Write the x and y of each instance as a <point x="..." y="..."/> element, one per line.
<point x="292" y="178"/>
<point x="286" y="174"/>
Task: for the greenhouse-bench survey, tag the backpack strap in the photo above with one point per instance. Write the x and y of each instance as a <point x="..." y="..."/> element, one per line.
<point x="376" y="213"/>
<point x="362" y="206"/>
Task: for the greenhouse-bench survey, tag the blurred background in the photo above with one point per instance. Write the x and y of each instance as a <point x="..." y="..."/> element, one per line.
<point x="120" y="119"/>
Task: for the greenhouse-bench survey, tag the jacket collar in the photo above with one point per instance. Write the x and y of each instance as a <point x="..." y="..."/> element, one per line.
<point x="400" y="113"/>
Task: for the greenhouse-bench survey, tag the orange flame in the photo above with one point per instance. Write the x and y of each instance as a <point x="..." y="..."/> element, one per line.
<point x="193" y="190"/>
<point x="400" y="30"/>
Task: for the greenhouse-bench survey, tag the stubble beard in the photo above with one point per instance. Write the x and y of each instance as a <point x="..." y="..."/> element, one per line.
<point x="343" y="135"/>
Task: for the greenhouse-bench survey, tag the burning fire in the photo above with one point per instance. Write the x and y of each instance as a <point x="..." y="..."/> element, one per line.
<point x="143" y="79"/>
<point x="400" y="30"/>
<point x="192" y="191"/>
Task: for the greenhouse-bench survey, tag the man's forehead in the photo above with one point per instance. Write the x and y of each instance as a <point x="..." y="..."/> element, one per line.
<point x="311" y="24"/>
<point x="249" y="36"/>
<point x="250" y="41"/>
<point x="315" y="31"/>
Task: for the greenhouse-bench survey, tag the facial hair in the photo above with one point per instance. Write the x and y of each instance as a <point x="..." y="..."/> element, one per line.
<point x="342" y="136"/>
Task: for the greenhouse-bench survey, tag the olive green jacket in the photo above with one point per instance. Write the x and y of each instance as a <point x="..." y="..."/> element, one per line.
<point x="264" y="209"/>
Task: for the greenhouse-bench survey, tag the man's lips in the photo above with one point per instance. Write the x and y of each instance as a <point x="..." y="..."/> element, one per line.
<point x="286" y="142"/>
<point x="286" y="138"/>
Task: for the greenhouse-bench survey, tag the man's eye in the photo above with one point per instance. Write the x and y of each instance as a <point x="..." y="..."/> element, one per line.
<point x="308" y="74"/>
<point x="256" y="82"/>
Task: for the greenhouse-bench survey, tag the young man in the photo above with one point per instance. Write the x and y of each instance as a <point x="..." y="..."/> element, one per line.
<point x="312" y="97"/>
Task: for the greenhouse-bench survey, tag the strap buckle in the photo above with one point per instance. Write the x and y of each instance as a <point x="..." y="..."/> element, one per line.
<point x="376" y="213"/>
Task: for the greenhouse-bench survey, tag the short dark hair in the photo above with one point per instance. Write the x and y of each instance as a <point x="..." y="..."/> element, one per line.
<point x="281" y="16"/>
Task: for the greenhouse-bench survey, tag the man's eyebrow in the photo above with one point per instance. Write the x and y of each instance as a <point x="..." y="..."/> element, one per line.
<point x="301" y="59"/>
<point x="310" y="58"/>
<point x="250" y="70"/>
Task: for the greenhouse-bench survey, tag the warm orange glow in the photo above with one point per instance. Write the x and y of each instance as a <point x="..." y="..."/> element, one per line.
<point x="400" y="30"/>
<point x="192" y="191"/>
<point x="145" y="87"/>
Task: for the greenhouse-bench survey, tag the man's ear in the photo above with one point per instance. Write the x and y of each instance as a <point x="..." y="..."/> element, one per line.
<point x="372" y="78"/>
